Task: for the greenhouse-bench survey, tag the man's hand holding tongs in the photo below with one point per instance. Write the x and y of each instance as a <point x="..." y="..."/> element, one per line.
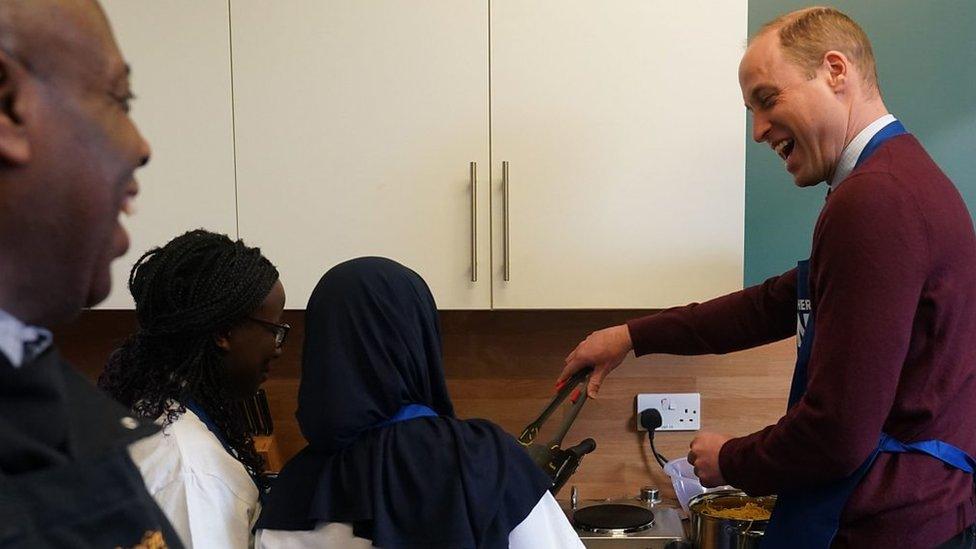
<point x="604" y="350"/>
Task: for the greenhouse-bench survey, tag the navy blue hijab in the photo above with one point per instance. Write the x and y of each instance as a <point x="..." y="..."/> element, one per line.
<point x="372" y="346"/>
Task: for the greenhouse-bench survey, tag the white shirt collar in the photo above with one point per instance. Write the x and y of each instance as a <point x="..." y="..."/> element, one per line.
<point x="853" y="150"/>
<point x="19" y="342"/>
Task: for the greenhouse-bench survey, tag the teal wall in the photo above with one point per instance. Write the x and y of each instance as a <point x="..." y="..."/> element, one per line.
<point x="926" y="53"/>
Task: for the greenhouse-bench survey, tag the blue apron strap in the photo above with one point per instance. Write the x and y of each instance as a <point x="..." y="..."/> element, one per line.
<point x="409" y="411"/>
<point x="942" y="451"/>
<point x="204" y="417"/>
<point x="805" y="327"/>
<point x="809" y="518"/>
<point x="891" y="130"/>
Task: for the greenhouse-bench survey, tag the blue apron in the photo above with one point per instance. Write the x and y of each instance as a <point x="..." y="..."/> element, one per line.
<point x="809" y="518"/>
<point x="408" y="411"/>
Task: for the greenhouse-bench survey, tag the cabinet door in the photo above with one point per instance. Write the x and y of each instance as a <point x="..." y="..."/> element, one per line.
<point x="623" y="127"/>
<point x="356" y="123"/>
<point x="179" y="52"/>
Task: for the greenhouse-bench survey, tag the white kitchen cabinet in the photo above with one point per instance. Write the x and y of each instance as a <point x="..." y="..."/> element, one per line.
<point x="356" y="123"/>
<point x="179" y="52"/>
<point x="623" y="128"/>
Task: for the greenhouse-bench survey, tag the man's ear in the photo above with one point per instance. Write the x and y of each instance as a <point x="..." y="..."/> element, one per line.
<point x="15" y="146"/>
<point x="838" y="68"/>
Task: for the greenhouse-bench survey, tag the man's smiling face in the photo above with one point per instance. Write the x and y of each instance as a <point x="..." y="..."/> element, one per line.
<point x="801" y="118"/>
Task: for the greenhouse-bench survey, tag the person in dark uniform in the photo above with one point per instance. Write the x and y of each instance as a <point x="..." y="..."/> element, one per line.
<point x="68" y="152"/>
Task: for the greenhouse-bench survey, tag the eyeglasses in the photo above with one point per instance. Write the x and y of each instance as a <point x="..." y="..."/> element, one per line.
<point x="280" y="331"/>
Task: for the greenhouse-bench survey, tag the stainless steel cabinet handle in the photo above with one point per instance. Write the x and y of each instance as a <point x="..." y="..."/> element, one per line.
<point x="507" y="249"/>
<point x="474" y="222"/>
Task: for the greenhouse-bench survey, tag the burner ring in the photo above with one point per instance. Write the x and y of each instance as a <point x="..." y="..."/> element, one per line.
<point x="613" y="518"/>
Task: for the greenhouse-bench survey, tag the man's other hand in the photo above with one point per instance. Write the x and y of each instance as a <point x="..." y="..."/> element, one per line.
<point x="704" y="457"/>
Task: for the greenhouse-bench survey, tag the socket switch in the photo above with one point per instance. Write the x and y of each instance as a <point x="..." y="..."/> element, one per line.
<point x="679" y="411"/>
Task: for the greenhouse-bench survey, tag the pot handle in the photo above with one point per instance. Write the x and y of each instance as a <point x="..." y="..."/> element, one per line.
<point x="745" y="537"/>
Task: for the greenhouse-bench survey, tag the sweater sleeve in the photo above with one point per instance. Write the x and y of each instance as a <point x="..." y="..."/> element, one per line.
<point x="869" y="264"/>
<point x="754" y="316"/>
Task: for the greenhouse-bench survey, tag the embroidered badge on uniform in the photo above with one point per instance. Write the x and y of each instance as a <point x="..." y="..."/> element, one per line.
<point x="152" y="539"/>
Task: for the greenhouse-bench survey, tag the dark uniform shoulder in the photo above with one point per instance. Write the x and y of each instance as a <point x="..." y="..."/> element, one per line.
<point x="66" y="478"/>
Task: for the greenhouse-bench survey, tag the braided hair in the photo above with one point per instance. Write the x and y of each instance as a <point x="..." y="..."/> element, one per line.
<point x="198" y="285"/>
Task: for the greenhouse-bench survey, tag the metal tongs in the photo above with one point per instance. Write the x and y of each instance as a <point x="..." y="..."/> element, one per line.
<point x="559" y="464"/>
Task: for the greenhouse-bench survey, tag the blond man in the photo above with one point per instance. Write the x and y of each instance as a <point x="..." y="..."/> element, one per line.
<point x="874" y="449"/>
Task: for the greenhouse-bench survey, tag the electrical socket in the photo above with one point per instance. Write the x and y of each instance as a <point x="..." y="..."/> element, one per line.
<point x="679" y="411"/>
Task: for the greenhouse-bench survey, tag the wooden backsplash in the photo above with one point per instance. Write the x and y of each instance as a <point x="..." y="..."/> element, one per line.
<point x="501" y="365"/>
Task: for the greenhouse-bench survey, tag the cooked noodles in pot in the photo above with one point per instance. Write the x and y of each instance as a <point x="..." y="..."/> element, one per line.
<point x="744" y="511"/>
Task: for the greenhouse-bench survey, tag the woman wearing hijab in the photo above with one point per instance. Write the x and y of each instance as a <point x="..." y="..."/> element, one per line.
<point x="209" y="311"/>
<point x="388" y="464"/>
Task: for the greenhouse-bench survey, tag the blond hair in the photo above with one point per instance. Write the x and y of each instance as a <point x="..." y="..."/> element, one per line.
<point x="807" y="34"/>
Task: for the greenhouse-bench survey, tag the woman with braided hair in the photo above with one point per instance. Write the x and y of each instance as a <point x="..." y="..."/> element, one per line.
<point x="209" y="312"/>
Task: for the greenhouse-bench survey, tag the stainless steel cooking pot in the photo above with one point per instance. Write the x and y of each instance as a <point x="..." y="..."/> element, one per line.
<point x="710" y="532"/>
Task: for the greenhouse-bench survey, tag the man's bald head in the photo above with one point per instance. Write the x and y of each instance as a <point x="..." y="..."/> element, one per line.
<point x="56" y="38"/>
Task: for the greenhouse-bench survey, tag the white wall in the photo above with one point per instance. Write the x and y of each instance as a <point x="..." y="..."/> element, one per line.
<point x="179" y="51"/>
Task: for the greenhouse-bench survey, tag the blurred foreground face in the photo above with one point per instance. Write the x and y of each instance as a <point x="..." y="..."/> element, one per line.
<point x="69" y="151"/>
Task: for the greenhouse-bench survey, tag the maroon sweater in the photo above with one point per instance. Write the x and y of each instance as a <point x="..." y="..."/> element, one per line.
<point x="893" y="285"/>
